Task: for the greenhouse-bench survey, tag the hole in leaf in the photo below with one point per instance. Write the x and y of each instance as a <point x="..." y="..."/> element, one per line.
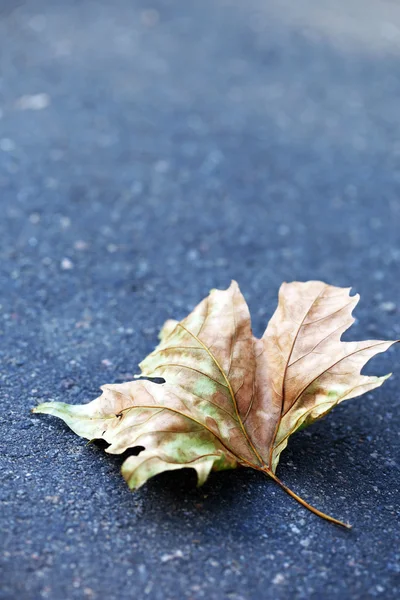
<point x="102" y="444"/>
<point x="153" y="379"/>
<point x="131" y="452"/>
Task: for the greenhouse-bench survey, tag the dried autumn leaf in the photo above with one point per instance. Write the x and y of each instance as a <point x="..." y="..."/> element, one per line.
<point x="230" y="399"/>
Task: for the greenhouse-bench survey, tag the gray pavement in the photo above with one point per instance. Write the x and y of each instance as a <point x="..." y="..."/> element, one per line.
<point x="150" y="152"/>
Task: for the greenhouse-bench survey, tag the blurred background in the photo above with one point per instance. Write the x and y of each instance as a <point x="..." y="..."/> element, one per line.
<point x="178" y="144"/>
<point x="150" y="151"/>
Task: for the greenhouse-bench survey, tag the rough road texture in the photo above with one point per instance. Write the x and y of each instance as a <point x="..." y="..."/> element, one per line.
<point x="150" y="152"/>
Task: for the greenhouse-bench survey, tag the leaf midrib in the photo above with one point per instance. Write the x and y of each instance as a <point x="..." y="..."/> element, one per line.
<point x="174" y="410"/>
<point x="231" y="392"/>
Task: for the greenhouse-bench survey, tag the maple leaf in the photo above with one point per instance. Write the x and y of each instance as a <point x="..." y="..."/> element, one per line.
<point x="230" y="399"/>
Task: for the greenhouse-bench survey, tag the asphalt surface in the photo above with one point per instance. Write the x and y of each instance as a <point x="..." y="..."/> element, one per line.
<point x="148" y="153"/>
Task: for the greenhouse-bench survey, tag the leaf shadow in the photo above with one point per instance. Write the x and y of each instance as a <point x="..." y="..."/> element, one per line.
<point x="227" y="499"/>
<point x="335" y="457"/>
<point x="328" y="463"/>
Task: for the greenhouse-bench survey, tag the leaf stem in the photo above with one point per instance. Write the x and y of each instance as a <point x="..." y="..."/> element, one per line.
<point x="301" y="501"/>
